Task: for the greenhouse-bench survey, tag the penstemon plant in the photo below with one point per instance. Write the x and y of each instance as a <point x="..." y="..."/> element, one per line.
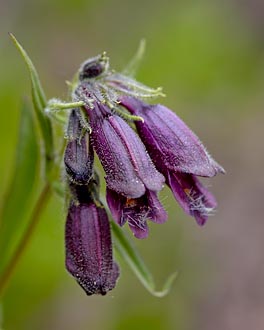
<point x="141" y="147"/>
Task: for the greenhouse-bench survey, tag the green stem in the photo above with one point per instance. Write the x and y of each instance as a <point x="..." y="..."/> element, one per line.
<point x="33" y="221"/>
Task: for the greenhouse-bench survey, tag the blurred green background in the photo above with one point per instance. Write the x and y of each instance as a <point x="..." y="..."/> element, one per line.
<point x="209" y="57"/>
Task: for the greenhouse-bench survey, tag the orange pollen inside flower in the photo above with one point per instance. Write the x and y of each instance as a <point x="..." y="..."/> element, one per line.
<point x="187" y="192"/>
<point x="130" y="202"/>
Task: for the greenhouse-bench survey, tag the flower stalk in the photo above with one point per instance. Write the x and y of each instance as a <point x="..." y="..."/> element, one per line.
<point x="25" y="240"/>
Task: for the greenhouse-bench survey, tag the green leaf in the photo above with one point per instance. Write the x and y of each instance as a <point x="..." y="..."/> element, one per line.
<point x="40" y="103"/>
<point x="1" y="316"/>
<point x="125" y="249"/>
<point x="18" y="198"/>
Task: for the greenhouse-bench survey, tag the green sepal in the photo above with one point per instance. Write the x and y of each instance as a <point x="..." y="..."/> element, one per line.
<point x="128" y="253"/>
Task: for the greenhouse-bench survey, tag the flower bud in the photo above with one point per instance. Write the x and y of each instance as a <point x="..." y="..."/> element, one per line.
<point x="89" y="248"/>
<point x="78" y="156"/>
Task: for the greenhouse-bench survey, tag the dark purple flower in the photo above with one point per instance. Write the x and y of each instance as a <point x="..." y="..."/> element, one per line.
<point x="178" y="154"/>
<point x="94" y="67"/>
<point x="130" y="172"/>
<point x="89" y="248"/>
<point x="133" y="176"/>
<point x="128" y="167"/>
<point x="79" y="155"/>
<point x="192" y="196"/>
<point x="107" y="113"/>
<point x="136" y="211"/>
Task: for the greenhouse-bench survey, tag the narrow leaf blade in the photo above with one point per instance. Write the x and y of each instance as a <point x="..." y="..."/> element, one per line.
<point x="37" y="88"/>
<point x="19" y="196"/>
<point x="40" y="103"/>
<point x="125" y="249"/>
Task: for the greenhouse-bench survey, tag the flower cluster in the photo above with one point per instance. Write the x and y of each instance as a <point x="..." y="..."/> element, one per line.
<point x="141" y="147"/>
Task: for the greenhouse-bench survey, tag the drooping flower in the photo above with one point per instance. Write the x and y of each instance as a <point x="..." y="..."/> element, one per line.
<point x="104" y="111"/>
<point x="136" y="211"/>
<point x="178" y="154"/>
<point x="88" y="237"/>
<point x="88" y="243"/>
<point x="136" y="167"/>
<point x="131" y="176"/>
<point x="132" y="179"/>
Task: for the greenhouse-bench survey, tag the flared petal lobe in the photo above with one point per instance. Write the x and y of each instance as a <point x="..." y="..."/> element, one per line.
<point x="78" y="156"/>
<point x="178" y="154"/>
<point x="170" y="142"/>
<point x="136" y="211"/>
<point x="128" y="167"/>
<point x="89" y="248"/>
<point x="192" y="196"/>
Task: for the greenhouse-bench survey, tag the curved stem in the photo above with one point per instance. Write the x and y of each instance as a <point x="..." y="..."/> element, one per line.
<point x="33" y="221"/>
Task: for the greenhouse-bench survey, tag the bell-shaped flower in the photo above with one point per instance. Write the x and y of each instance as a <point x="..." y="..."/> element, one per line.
<point x="128" y="167"/>
<point x="136" y="211"/>
<point x="178" y="154"/>
<point x="130" y="172"/>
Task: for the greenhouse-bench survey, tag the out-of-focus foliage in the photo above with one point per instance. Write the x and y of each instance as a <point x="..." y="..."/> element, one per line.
<point x="208" y="56"/>
<point x="18" y="201"/>
<point x="128" y="253"/>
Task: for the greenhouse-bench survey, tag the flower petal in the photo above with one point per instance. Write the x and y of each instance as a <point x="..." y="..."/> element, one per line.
<point x="89" y="248"/>
<point x="192" y="196"/>
<point x="116" y="203"/>
<point x="128" y="166"/>
<point x="78" y="156"/>
<point x="156" y="210"/>
<point x="139" y="228"/>
<point x="170" y="141"/>
<point x="136" y="211"/>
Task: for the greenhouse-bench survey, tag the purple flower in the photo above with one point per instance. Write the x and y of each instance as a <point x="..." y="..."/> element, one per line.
<point x="136" y="211"/>
<point x="178" y="154"/>
<point x="78" y="156"/>
<point x="131" y="176"/>
<point x="141" y="147"/>
<point x="128" y="167"/>
<point x="88" y="245"/>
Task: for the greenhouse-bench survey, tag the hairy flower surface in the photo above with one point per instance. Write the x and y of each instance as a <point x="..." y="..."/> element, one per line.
<point x="88" y="244"/>
<point x="140" y="146"/>
<point x="128" y="167"/>
<point x="135" y="171"/>
<point x="136" y="211"/>
<point x="79" y="155"/>
<point x="178" y="154"/>
<point x="136" y="167"/>
<point x="130" y="172"/>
